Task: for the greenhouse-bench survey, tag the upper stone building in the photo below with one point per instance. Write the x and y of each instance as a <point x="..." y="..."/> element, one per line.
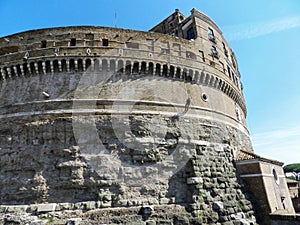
<point x="145" y="127"/>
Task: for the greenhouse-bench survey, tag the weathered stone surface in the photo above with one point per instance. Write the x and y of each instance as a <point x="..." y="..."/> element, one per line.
<point x="41" y="208"/>
<point x="133" y="143"/>
<point x="74" y="221"/>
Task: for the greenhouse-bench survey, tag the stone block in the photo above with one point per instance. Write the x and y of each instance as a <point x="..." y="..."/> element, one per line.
<point x="217" y="206"/>
<point x="3" y="208"/>
<point x="194" y="180"/>
<point x="41" y="208"/>
<point x="64" y="206"/>
<point x="150" y="222"/>
<point x="39" y="222"/>
<point x="74" y="221"/>
<point x="16" y="208"/>
<point x="153" y="201"/>
<point x="164" y="201"/>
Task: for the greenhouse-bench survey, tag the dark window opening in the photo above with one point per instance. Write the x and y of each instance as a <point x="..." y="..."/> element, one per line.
<point x="172" y="71"/>
<point x="191" y="34"/>
<point x="80" y="65"/>
<point x="104" y="42"/>
<point x="128" y="68"/>
<point x="88" y="63"/>
<point x="72" y="64"/>
<point x="151" y="68"/>
<point x="178" y="71"/>
<point x="211" y="35"/>
<point x="48" y="67"/>
<point x="157" y="69"/>
<point x="135" y="68"/>
<point x="73" y="42"/>
<point x="225" y="50"/>
<point x="214" y="51"/>
<point x="229" y="72"/>
<point x="204" y="97"/>
<point x="25" y="68"/>
<point x="165" y="70"/>
<point x="12" y="71"/>
<point x="233" y="62"/>
<point x="143" y="67"/>
<point x="55" y="66"/>
<point x="32" y="68"/>
<point x="43" y="44"/>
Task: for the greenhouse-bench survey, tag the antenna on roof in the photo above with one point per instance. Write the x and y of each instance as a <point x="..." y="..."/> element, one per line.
<point x="115" y="19"/>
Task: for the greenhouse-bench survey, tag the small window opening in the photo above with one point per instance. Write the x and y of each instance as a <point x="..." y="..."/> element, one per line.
<point x="276" y="178"/>
<point x="229" y="72"/>
<point x="73" y="42"/>
<point x="233" y="61"/>
<point x="104" y="42"/>
<point x="214" y="51"/>
<point x="211" y="35"/>
<point x="43" y="44"/>
<point x="204" y="97"/>
<point x="225" y="50"/>
<point x="191" y="34"/>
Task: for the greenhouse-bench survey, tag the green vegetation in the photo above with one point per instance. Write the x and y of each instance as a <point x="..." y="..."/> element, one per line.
<point x="49" y="219"/>
<point x="292" y="168"/>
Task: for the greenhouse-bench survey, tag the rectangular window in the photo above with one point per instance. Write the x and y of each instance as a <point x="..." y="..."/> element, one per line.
<point x="165" y="48"/>
<point x="214" y="51"/>
<point x="132" y="45"/>
<point x="104" y="42"/>
<point x="225" y="50"/>
<point x="43" y="44"/>
<point x="211" y="35"/>
<point x="191" y="34"/>
<point x="233" y="61"/>
<point x="229" y="72"/>
<point x="73" y="42"/>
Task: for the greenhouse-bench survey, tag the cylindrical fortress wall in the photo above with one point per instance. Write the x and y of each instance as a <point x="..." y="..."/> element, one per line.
<point x="120" y="117"/>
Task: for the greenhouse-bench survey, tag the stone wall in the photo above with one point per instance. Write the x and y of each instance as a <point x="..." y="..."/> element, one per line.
<point x="117" y="126"/>
<point x="206" y="186"/>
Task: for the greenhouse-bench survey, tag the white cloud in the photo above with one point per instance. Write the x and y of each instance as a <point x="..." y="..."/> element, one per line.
<point x="252" y="30"/>
<point x="282" y="145"/>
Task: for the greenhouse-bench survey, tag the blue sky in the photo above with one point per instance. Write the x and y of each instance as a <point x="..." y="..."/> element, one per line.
<point x="264" y="35"/>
